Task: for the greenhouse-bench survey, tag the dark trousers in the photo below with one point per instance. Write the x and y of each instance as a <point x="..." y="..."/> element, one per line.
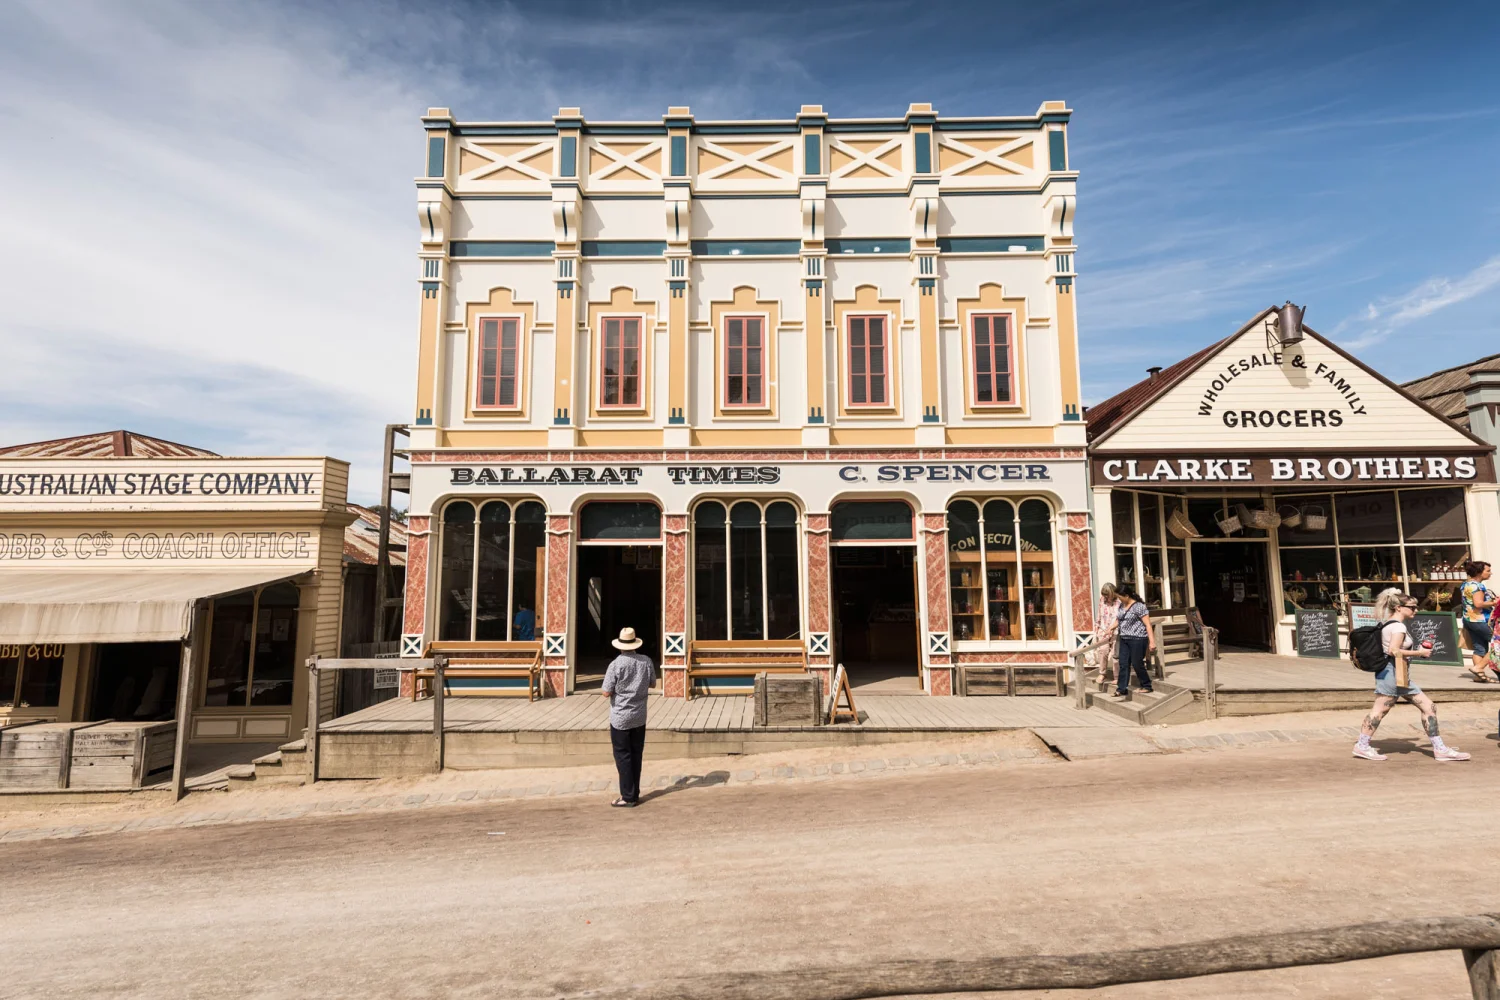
<point x="1132" y="655"/>
<point x="630" y="750"/>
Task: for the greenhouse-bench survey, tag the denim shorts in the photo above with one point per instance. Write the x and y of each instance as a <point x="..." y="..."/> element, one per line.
<point x="1480" y="635"/>
<point x="1385" y="682"/>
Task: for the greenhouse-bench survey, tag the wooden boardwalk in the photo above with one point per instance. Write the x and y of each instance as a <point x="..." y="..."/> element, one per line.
<point x="729" y="713"/>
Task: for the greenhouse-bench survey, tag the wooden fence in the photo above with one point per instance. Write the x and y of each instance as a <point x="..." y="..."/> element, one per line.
<point x="1477" y="937"/>
<point x="316" y="665"/>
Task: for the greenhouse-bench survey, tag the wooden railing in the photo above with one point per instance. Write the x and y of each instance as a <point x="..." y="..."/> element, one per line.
<point x="315" y="667"/>
<point x="1477" y="937"/>
<point x="1210" y="681"/>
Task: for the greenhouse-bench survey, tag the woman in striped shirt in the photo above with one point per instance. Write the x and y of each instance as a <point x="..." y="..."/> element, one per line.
<point x="1136" y="640"/>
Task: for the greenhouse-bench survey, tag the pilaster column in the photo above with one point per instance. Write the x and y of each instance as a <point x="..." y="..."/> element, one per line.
<point x="434" y="208"/>
<point x="674" y="614"/>
<point x="565" y="219"/>
<point x="677" y="201"/>
<point x="814" y="193"/>
<point x="924" y="215"/>
<point x="419" y="553"/>
<point x="556" y="657"/>
<point x="1080" y="578"/>
<point x="1060" y="250"/>
<point x="819" y="597"/>
<point x="937" y="641"/>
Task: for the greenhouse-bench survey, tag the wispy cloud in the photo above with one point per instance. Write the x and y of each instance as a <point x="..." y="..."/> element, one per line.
<point x="1386" y="316"/>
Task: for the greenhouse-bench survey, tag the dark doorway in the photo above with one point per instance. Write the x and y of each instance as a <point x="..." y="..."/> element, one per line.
<point x="875" y="616"/>
<point x="136" y="681"/>
<point x="619" y="586"/>
<point x="1231" y="591"/>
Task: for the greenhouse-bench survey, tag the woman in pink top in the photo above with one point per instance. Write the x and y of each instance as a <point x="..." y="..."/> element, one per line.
<point x="1106" y="634"/>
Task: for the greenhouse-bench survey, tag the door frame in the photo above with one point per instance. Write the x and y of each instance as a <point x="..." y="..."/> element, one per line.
<point x="1272" y="583"/>
<point x="836" y="632"/>
<point x="575" y="617"/>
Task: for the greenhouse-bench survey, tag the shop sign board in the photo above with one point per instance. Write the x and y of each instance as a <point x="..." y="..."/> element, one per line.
<point x="155" y="548"/>
<point x="1293" y="468"/>
<point x="649" y="476"/>
<point x="164" y="484"/>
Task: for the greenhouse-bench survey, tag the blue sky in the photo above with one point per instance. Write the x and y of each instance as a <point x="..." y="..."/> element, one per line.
<point x="210" y="224"/>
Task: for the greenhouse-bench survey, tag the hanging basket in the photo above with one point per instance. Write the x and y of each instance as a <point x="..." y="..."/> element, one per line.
<point x="1314" y="518"/>
<point x="1180" y="527"/>
<point x="1290" y="516"/>
<point x="1227" y="522"/>
<point x="1258" y="518"/>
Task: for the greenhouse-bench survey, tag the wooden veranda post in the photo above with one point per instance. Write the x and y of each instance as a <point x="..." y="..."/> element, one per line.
<point x="1484" y="973"/>
<point x="185" y="698"/>
<point x="314" y="710"/>
<point x="439" y="668"/>
<point x="1210" y="684"/>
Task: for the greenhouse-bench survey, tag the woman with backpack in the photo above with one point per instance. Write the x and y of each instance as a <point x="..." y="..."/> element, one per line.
<point x="1477" y="612"/>
<point x="1395" y="609"/>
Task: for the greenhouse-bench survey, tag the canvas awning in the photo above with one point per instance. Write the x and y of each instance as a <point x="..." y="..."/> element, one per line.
<point x="126" y="605"/>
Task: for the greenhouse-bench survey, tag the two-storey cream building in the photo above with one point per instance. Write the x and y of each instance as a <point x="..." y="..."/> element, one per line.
<point x="809" y="378"/>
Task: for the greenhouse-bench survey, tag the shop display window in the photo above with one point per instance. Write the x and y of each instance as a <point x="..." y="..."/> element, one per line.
<point x="491" y="571"/>
<point x="1150" y="518"/>
<point x="1433" y="516"/>
<point x="1151" y="577"/>
<point x="746" y="580"/>
<point x="1367" y="519"/>
<point x="252" y="648"/>
<point x="31" y="674"/>
<point x="1149" y="558"/>
<point x="871" y="521"/>
<point x="1001" y="581"/>
<point x="1309" y="578"/>
<point x="1435" y="573"/>
<point x="1176" y="583"/>
<point x="1313" y="520"/>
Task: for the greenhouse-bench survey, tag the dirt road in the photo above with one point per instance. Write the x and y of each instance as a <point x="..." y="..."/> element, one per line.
<point x="541" y="898"/>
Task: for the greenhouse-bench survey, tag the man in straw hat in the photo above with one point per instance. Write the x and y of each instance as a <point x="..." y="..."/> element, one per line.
<point x="627" y="682"/>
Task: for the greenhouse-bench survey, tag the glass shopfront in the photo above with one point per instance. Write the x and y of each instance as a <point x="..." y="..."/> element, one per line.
<point x="1001" y="570"/>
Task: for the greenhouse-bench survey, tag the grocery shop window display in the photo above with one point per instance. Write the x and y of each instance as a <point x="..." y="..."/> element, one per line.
<point x="1144" y="544"/>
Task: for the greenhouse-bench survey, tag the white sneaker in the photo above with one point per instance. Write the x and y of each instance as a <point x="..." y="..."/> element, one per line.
<point x="1449" y="753"/>
<point x="1368" y="753"/>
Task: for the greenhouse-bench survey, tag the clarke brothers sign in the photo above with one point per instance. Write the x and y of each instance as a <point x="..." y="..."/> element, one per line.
<point x="1300" y="469"/>
<point x="647" y="476"/>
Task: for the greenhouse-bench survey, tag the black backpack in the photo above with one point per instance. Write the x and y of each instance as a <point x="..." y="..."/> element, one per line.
<point x="1367" y="648"/>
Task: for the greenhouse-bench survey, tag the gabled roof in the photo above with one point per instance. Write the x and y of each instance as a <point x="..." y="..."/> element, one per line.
<point x="1444" y="391"/>
<point x="1104" y="417"/>
<point x="105" y="444"/>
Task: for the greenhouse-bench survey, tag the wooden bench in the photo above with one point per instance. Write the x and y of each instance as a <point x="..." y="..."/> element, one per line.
<point x="484" y="661"/>
<point x="743" y="658"/>
<point x="1178" y="630"/>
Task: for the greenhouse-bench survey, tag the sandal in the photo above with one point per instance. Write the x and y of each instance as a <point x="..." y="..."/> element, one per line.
<point x="1480" y="677"/>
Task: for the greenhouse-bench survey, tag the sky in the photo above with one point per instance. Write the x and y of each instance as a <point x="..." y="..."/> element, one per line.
<point x="209" y="230"/>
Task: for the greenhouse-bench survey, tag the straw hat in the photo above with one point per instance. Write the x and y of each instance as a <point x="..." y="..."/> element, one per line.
<point x="627" y="640"/>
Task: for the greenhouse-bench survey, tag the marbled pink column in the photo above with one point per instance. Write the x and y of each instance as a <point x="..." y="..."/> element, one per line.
<point x="819" y="616"/>
<point x="935" y="552"/>
<point x="674" y="601"/>
<point x="559" y="542"/>
<point x="414" y="611"/>
<point x="1080" y="578"/>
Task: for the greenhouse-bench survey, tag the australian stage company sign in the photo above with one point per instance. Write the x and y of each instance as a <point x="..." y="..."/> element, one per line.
<point x="1301" y="469"/>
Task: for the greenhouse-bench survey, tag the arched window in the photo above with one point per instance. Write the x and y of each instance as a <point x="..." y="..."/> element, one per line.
<point x="745" y="578"/>
<point x="491" y="571"/>
<point x="1001" y="582"/>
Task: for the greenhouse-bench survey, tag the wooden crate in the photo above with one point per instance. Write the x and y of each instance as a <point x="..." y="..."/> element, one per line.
<point x="33" y="756"/>
<point x="976" y="681"/>
<point x="1032" y="680"/>
<point x="788" y="699"/>
<point x="122" y="754"/>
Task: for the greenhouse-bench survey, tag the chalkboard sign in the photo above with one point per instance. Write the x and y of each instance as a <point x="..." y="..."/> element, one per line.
<point x="1318" y="634"/>
<point x="1361" y="615"/>
<point x="1442" y="628"/>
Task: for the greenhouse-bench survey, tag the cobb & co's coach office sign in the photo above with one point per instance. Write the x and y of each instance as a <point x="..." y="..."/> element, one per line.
<point x="1299" y="469"/>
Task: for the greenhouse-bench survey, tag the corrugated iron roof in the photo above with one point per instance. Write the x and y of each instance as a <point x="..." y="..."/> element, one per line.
<point x="362" y="538"/>
<point x="1444" y="390"/>
<point x="1115" y="410"/>
<point x="106" y="444"/>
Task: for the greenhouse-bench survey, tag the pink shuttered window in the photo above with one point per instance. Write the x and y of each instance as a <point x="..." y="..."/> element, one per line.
<point x="620" y="363"/>
<point x="499" y="363"/>
<point x="991" y="361"/>
<point x="868" y="350"/>
<point x="744" y="362"/>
